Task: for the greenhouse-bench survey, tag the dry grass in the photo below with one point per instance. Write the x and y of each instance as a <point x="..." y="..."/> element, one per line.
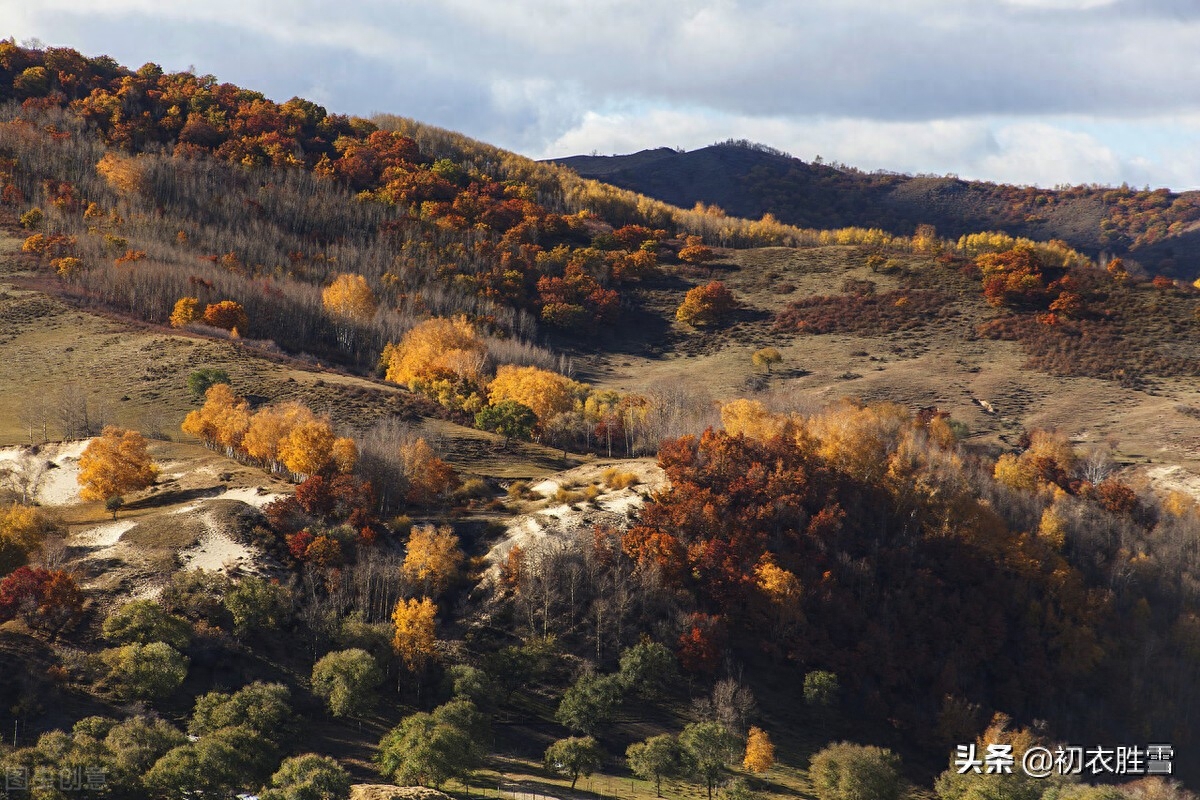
<point x="615" y="478"/>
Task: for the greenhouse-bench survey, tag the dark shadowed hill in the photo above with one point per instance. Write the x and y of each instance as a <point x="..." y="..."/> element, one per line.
<point x="1158" y="229"/>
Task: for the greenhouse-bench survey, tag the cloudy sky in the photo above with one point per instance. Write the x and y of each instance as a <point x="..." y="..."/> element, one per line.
<point x="1026" y="91"/>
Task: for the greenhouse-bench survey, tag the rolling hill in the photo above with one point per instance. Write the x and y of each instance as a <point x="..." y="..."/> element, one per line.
<point x="460" y="447"/>
<point x="1157" y="229"/>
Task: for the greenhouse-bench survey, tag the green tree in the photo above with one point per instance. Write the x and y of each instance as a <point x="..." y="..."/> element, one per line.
<point x="820" y="689"/>
<point x="200" y="380"/>
<point x="146" y="671"/>
<point x="258" y="605"/>
<point x="590" y="702"/>
<point x="471" y="683"/>
<point x="347" y="680"/>
<point x="648" y="668"/>
<point x="145" y="621"/>
<point x="846" y="771"/>
<point x="574" y="757"/>
<point x="137" y="743"/>
<point x="711" y="749"/>
<point x="510" y="419"/>
<point x="308" y="777"/>
<point x="656" y="758"/>
<point x="265" y="708"/>
<point x="430" y="749"/>
<point x="214" y="766"/>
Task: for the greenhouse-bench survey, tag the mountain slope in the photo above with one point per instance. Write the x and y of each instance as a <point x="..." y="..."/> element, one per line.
<point x="1156" y="228"/>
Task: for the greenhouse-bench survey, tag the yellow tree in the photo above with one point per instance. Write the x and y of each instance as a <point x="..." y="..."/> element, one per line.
<point x="752" y="419"/>
<point x="222" y="421"/>
<point x="547" y="393"/>
<point x="413" y="637"/>
<point x="345" y="454"/>
<point x="114" y="464"/>
<point x="766" y="357"/>
<point x="308" y="447"/>
<point x="760" y="752"/>
<point x="433" y="559"/>
<point x="186" y="311"/>
<point x="436" y="348"/>
<point x="270" y="426"/>
<point x="349" y="300"/>
<point x="349" y="297"/>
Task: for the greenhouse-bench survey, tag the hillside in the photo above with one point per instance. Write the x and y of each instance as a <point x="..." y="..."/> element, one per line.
<point x="341" y="450"/>
<point x="1157" y="229"/>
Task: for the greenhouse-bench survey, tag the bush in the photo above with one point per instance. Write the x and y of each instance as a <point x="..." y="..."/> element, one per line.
<point x="706" y="305"/>
<point x="347" y="680"/>
<point x="614" y="478"/>
<point x="144" y="622"/>
<point x="847" y="771"/>
<point x="308" y="777"/>
<point x="146" y="671"/>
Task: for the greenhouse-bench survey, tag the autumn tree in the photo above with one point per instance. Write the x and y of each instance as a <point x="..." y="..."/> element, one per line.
<point x="578" y="756"/>
<point x="656" y="758"/>
<point x="413" y="632"/>
<point x="706" y="305"/>
<point x="760" y="752"/>
<point x="185" y="312"/>
<point x="308" y="447"/>
<point x="695" y="252"/>
<point x="433" y="559"/>
<point x="426" y="476"/>
<point x="546" y="393"/>
<point x="349" y="300"/>
<point x="269" y="427"/>
<point x="115" y="464"/>
<point x="347" y="680"/>
<point x="443" y="358"/>
<point x="22" y="530"/>
<point x="349" y="297"/>
<point x="223" y="421"/>
<point x="766" y="357"/>
<point x="47" y="600"/>
<point x="227" y="315"/>
<point x="510" y="419"/>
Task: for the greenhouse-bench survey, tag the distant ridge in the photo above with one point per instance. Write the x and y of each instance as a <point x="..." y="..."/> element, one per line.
<point x="1158" y="229"/>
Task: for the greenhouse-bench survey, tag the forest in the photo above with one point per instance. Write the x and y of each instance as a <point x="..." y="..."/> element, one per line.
<point x="821" y="600"/>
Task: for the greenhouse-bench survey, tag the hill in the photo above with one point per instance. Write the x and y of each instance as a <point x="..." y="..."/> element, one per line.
<point x="1157" y="229"/>
<point x="480" y="458"/>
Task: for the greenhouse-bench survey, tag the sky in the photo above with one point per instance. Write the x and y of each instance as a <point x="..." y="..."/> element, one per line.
<point x="1041" y="92"/>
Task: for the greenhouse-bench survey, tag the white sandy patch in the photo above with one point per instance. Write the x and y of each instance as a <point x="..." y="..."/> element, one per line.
<point x="59" y="485"/>
<point x="257" y="497"/>
<point x="623" y="502"/>
<point x="1175" y="479"/>
<point x="189" y="508"/>
<point x="558" y="512"/>
<point x="105" y="535"/>
<point x="547" y="488"/>
<point x="216" y="552"/>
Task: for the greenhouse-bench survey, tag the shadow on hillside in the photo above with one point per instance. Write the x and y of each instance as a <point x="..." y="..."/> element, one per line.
<point x="180" y="497"/>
